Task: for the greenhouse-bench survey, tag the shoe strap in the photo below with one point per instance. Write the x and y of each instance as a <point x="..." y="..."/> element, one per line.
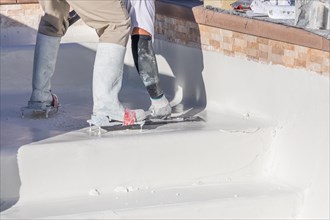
<point x="129" y="117"/>
<point x="55" y="102"/>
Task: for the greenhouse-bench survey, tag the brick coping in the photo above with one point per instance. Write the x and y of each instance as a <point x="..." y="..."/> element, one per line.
<point x="199" y="14"/>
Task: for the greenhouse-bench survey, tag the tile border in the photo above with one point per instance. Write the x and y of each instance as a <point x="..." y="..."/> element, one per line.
<point x="258" y="28"/>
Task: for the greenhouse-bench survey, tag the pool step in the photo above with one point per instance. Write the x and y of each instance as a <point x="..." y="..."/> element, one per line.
<point x="254" y="200"/>
<point x="183" y="170"/>
<point x="74" y="163"/>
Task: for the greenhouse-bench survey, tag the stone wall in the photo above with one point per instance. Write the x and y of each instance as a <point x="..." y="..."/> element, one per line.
<point x="272" y="46"/>
<point x="237" y="44"/>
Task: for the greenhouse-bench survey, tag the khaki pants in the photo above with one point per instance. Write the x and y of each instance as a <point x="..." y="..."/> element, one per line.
<point x="108" y="17"/>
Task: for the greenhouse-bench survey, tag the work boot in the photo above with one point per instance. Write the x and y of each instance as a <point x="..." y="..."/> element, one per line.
<point x="45" y="105"/>
<point x="107" y="82"/>
<point x="160" y="108"/>
<point x="45" y="57"/>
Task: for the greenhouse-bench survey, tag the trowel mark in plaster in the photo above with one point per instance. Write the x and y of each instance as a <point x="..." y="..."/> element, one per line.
<point x="228" y="179"/>
<point x="241" y="131"/>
